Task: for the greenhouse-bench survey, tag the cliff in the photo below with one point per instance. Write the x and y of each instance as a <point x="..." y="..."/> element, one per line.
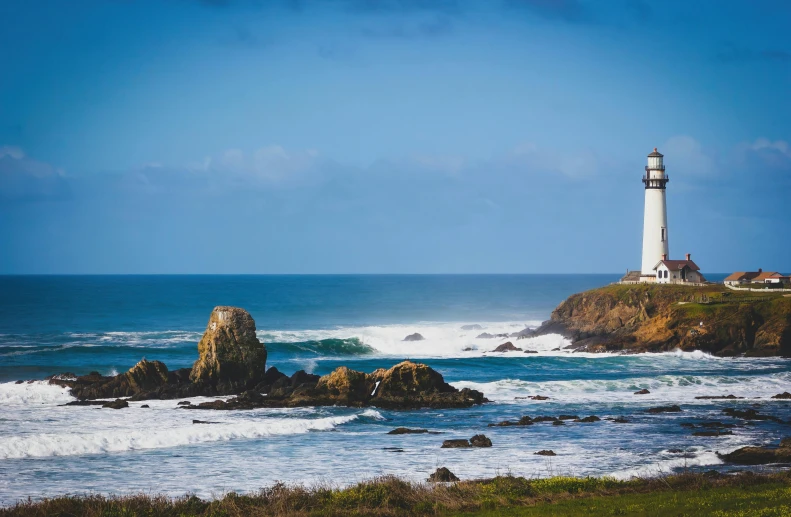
<point x="655" y="318"/>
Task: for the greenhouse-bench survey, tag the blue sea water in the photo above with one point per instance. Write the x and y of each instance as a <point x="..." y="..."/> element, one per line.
<point x="53" y="324"/>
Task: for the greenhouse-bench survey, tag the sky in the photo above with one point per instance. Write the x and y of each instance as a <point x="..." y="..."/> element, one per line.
<point x="390" y="136"/>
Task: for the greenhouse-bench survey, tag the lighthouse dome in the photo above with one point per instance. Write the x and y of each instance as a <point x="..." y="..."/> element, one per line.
<point x="656" y="154"/>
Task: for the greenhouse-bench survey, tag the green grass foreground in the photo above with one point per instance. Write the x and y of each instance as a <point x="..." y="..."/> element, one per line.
<point x="742" y="495"/>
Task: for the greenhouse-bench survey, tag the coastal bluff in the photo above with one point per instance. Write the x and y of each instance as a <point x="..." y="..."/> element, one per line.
<point x="658" y="318"/>
<point x="232" y="361"/>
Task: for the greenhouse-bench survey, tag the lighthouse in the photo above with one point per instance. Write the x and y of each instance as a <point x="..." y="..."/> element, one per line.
<point x="655" y="233"/>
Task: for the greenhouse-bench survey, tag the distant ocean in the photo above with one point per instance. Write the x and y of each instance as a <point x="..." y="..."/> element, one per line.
<point x="54" y="324"/>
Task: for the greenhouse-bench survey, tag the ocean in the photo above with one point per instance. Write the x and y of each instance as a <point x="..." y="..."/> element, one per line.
<point x="78" y="324"/>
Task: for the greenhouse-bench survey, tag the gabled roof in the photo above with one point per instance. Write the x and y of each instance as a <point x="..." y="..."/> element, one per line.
<point x="678" y="265"/>
<point x="767" y="274"/>
<point x="742" y="275"/>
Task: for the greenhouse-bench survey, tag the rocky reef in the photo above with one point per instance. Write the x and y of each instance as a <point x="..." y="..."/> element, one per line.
<point x="406" y="385"/>
<point x="656" y="318"/>
<point x="232" y="361"/>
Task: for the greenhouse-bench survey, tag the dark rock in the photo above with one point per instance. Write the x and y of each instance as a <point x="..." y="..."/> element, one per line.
<point x="442" y="475"/>
<point x="393" y="449"/>
<point x="507" y="347"/>
<point x="525" y="420"/>
<point x="664" y="409"/>
<point x="619" y="420"/>
<point x="145" y="406"/>
<point x="230" y="356"/>
<point x="116" y="404"/>
<point x="456" y="444"/>
<point x="588" y="419"/>
<point x="19" y="382"/>
<point x="414" y="337"/>
<point x="485" y="335"/>
<point x="538" y="397"/>
<point x="568" y="417"/>
<point x="85" y="403"/>
<point x="184" y="403"/>
<point x="558" y="422"/>
<point x="760" y="455"/>
<point x="468" y="349"/>
<point x="544" y="419"/>
<point x="716" y="432"/>
<point x="675" y="451"/>
<point x="718" y="397"/>
<point x="642" y="392"/>
<point x="301" y="378"/>
<point x="143" y="377"/>
<point x="717" y="425"/>
<point x="546" y="452"/>
<point x="405" y="430"/>
<point x="785" y="395"/>
<point x="480" y="440"/>
<point x="750" y="414"/>
<point x="203" y="422"/>
<point x="531" y="352"/>
<point x="471" y="327"/>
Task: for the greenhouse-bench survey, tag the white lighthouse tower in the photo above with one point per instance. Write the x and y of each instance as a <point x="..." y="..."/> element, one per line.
<point x="655" y="234"/>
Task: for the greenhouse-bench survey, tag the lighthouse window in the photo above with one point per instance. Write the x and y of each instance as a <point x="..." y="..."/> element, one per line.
<point x="663" y="235"/>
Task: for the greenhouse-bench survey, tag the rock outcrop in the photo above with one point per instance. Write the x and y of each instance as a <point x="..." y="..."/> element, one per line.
<point x="507" y="347"/>
<point x="442" y="475"/>
<point x="406" y="385"/>
<point x="655" y="318"/>
<point x="231" y="358"/>
<point x="414" y="337"/>
<point x="760" y="455"/>
<point x="232" y="361"/>
<point x="143" y="377"/>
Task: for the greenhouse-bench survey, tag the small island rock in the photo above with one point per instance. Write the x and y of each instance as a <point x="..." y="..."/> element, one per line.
<point x="507" y="347"/>
<point x="442" y="475"/>
<point x="414" y="337"/>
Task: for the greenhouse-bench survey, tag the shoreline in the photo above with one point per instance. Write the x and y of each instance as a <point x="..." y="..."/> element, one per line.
<point x="701" y="493"/>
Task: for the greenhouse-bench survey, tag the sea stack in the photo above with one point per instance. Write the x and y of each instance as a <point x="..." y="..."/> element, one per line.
<point x="231" y="358"/>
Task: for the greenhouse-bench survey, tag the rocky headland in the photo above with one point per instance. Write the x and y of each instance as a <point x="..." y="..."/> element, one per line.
<point x="657" y="318"/>
<point x="232" y="361"/>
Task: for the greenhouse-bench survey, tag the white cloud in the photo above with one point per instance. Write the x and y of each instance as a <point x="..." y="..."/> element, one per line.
<point x="11" y="151"/>
<point x="270" y="164"/>
<point x="765" y="144"/>
<point x="578" y="164"/>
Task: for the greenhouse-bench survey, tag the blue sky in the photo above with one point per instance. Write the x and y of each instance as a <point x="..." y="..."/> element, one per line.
<point x="391" y="136"/>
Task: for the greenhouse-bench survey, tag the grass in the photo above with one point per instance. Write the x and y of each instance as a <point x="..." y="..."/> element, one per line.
<point x="739" y="495"/>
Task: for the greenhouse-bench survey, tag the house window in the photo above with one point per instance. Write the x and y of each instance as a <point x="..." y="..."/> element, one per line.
<point x="663" y="234"/>
<point x="665" y="273"/>
<point x="659" y="274"/>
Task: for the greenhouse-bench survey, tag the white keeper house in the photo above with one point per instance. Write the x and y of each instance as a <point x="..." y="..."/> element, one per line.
<point x="656" y="265"/>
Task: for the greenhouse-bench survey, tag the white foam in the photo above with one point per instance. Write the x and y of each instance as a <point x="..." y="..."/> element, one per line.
<point x="668" y="466"/>
<point x="663" y="388"/>
<point x="440" y="339"/>
<point x="34" y="393"/>
<point x="126" y="439"/>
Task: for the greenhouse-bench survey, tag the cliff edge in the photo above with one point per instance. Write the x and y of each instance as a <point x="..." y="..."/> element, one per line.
<point x="657" y="318"/>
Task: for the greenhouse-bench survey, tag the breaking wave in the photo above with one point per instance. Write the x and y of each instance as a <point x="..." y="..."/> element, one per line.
<point x="120" y="440"/>
<point x="676" y="388"/>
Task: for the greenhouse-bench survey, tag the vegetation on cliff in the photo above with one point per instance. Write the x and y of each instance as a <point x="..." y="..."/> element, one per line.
<point x="686" y="494"/>
<point x="654" y="318"/>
